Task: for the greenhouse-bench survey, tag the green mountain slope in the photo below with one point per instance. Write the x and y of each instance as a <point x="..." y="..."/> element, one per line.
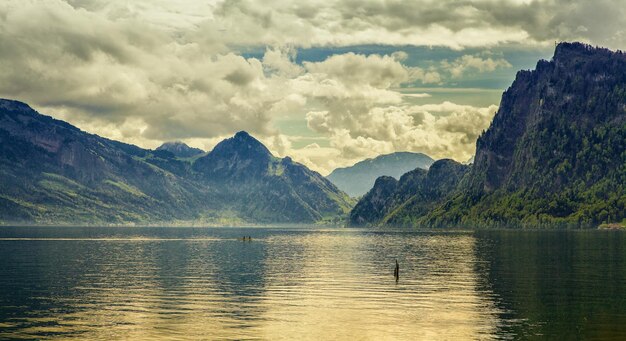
<point x="555" y="153"/>
<point x="399" y="203"/>
<point x="553" y="156"/>
<point x="263" y="186"/>
<point x="54" y="173"/>
<point x="51" y="171"/>
<point x="356" y="180"/>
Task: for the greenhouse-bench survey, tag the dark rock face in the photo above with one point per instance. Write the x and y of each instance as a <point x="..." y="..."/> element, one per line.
<point x="399" y="203"/>
<point x="51" y="171"/>
<point x="54" y="173"/>
<point x="237" y="158"/>
<point x="554" y="153"/>
<point x="180" y="149"/>
<point x="359" y="178"/>
<point x="553" y="156"/>
<point x="375" y="204"/>
<point x="546" y="114"/>
<point x="263" y="186"/>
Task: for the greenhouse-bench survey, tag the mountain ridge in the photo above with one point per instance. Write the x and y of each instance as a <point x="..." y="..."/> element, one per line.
<point x="54" y="173"/>
<point x="554" y="154"/>
<point x="357" y="179"/>
<point x="396" y="202"/>
<point x="180" y="149"/>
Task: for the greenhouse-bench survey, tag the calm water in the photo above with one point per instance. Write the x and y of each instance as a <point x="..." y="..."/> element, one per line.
<point x="204" y="283"/>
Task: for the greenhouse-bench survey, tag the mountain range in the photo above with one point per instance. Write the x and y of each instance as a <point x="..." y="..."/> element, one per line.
<point x="553" y="156"/>
<point x="397" y="202"/>
<point x="53" y="173"/>
<point x="180" y="149"/>
<point x="356" y="180"/>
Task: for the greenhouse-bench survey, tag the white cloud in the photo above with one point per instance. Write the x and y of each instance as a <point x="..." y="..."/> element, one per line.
<point x="466" y="62"/>
<point x="358" y="70"/>
<point x="152" y="70"/>
<point x="279" y="144"/>
<point x="422" y="95"/>
<point x="105" y="73"/>
<point x="281" y="61"/>
<point x="430" y="76"/>
<point x="473" y="23"/>
<point x="439" y="130"/>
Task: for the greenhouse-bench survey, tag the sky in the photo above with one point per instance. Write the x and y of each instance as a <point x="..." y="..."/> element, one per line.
<point x="328" y="82"/>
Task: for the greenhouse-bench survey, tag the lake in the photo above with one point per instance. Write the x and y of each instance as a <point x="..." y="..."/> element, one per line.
<point x="310" y="284"/>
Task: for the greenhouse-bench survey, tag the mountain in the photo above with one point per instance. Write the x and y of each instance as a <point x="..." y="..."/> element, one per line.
<point x="554" y="154"/>
<point x="53" y="173"/>
<point x="398" y="203"/>
<point x="264" y="186"/>
<point x="356" y="180"/>
<point x="180" y="149"/>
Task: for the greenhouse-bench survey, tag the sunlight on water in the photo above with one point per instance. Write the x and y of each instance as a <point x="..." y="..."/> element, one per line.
<point x="284" y="284"/>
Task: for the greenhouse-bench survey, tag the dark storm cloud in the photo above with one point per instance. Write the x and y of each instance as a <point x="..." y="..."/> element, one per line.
<point x="428" y="22"/>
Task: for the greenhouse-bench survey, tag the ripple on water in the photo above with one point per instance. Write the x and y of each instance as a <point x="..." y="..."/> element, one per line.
<point x="289" y="284"/>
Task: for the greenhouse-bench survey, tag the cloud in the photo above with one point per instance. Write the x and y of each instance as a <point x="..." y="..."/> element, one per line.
<point x="281" y="61"/>
<point x="430" y="76"/>
<point x="473" y="23"/>
<point x="358" y="70"/>
<point x="422" y="95"/>
<point x="347" y="22"/>
<point x="362" y="115"/>
<point x="152" y="70"/>
<point x="125" y="78"/>
<point x="106" y="73"/>
<point x="439" y="130"/>
<point x="279" y="144"/>
<point x="464" y="63"/>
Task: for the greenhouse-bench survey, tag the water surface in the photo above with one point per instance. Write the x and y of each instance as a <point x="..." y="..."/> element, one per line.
<point x="302" y="283"/>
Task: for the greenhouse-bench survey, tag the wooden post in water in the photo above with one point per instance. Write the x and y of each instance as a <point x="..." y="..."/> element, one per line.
<point x="396" y="271"/>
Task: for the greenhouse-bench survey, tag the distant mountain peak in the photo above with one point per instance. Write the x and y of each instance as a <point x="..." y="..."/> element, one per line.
<point x="239" y="156"/>
<point x="173" y="143"/>
<point x="567" y="52"/>
<point x="53" y="173"/>
<point x="568" y="47"/>
<point x="180" y="149"/>
<point x="243" y="135"/>
<point x="13" y="104"/>
<point x="393" y="202"/>
<point x="359" y="178"/>
<point x="266" y="185"/>
<point x="242" y="144"/>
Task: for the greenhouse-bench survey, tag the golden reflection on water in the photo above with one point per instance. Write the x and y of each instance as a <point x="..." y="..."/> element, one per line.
<point x="355" y="297"/>
<point x="312" y="286"/>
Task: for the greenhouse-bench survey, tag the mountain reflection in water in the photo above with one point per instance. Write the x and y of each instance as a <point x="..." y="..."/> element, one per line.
<point x="296" y="283"/>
